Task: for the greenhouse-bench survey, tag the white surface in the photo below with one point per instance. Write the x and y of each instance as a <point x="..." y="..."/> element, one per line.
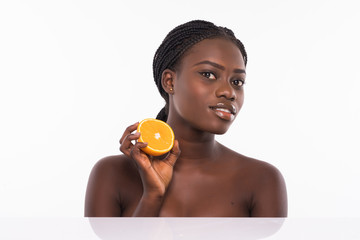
<point x="74" y="74"/>
<point x="179" y="228"/>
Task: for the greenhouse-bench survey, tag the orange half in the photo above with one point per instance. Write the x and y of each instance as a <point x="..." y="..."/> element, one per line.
<point x="158" y="134"/>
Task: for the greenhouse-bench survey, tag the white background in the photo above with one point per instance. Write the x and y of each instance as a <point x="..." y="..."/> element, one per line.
<point x="75" y="74"/>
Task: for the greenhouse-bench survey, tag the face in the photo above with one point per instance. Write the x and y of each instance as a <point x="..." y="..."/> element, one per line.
<point x="208" y="87"/>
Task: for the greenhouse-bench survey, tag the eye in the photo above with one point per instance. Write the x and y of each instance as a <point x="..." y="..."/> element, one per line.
<point x="209" y="75"/>
<point x="238" y="82"/>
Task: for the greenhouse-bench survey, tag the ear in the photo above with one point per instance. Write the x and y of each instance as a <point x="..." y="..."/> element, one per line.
<point x="167" y="80"/>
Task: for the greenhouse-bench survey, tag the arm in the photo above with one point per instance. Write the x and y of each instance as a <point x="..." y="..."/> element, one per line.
<point x="107" y="184"/>
<point x="101" y="197"/>
<point x="155" y="174"/>
<point x="270" y="197"/>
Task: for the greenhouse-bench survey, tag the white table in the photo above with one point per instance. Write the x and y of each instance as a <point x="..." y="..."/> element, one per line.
<point x="179" y="228"/>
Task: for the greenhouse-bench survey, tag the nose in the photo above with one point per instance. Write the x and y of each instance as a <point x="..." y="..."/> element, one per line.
<point x="226" y="90"/>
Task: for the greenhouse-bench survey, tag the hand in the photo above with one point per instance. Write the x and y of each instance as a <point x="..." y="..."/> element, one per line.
<point x="155" y="173"/>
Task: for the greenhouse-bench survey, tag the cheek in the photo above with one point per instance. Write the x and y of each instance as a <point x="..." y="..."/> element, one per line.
<point x="191" y="96"/>
<point x="240" y="100"/>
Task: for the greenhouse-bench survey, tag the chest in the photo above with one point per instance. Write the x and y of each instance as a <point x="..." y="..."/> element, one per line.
<point x="207" y="195"/>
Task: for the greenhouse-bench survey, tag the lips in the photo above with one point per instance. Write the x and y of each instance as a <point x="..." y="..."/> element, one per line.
<point x="224" y="111"/>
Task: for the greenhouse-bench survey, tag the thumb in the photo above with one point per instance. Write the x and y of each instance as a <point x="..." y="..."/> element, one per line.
<point x="174" y="154"/>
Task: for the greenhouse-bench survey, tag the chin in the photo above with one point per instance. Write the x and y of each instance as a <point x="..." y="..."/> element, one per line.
<point x="219" y="130"/>
<point x="214" y="126"/>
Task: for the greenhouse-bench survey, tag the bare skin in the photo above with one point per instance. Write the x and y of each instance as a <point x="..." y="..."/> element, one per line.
<point x="204" y="178"/>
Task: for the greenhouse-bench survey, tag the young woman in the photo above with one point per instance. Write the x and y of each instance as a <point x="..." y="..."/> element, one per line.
<point x="200" y="71"/>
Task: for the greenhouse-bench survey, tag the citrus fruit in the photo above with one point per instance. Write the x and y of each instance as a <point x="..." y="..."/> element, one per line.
<point x="158" y="134"/>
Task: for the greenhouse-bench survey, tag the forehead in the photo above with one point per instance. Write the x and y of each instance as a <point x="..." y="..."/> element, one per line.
<point x="217" y="49"/>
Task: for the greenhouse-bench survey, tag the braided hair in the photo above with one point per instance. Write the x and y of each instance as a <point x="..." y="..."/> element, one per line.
<point x="177" y="42"/>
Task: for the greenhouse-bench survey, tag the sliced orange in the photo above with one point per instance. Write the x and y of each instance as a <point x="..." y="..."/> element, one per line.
<point x="158" y="134"/>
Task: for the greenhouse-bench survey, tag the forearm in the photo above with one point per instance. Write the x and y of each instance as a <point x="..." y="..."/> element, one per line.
<point x="148" y="207"/>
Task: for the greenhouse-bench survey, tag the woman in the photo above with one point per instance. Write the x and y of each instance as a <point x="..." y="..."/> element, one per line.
<point x="200" y="71"/>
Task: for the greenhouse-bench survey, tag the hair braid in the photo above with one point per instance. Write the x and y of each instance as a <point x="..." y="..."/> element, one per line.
<point x="177" y="42"/>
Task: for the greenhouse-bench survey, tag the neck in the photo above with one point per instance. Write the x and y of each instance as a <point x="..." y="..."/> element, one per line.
<point x="196" y="146"/>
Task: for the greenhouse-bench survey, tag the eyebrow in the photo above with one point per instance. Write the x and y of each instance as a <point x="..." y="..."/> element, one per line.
<point x="236" y="70"/>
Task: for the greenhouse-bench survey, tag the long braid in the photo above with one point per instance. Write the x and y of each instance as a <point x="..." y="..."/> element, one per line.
<point x="177" y="42"/>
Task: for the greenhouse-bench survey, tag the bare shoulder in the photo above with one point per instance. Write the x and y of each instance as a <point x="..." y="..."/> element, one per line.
<point x="269" y="191"/>
<point x="114" y="170"/>
<point x="109" y="181"/>
<point x="252" y="164"/>
<point x="113" y="165"/>
<point x="261" y="170"/>
<point x="265" y="181"/>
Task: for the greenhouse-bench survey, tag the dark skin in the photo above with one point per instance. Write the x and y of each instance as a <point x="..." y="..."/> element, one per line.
<point x="204" y="178"/>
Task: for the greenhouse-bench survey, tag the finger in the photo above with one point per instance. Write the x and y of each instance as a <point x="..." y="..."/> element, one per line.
<point x="127" y="144"/>
<point x="128" y="131"/>
<point x="140" y="145"/>
<point x="174" y="154"/>
<point x="139" y="156"/>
